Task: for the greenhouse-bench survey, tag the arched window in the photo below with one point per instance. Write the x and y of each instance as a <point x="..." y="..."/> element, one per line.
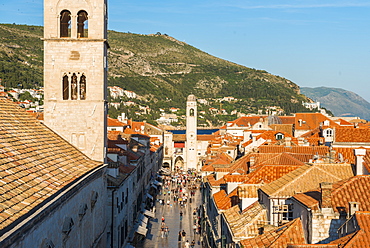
<point x="65" y="87"/>
<point x="82" y="24"/>
<point x="83" y="87"/>
<point x="191" y="112"/>
<point x="65" y="24"/>
<point x="74" y="87"/>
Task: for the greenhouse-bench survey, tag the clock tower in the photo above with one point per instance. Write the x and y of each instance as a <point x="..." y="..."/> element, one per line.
<point x="191" y="133"/>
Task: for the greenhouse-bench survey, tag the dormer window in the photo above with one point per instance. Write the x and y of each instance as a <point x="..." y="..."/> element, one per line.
<point x="279" y="136"/>
<point x="65" y="24"/>
<point x="329" y="132"/>
<point x="82" y="24"/>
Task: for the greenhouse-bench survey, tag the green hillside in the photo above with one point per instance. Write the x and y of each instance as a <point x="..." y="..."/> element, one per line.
<point x="159" y="68"/>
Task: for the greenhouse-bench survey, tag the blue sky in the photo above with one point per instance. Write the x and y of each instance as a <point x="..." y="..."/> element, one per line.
<point x="313" y="43"/>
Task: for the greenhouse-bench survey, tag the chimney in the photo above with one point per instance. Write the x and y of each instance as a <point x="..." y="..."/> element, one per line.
<point x="360" y="153"/>
<point x="352" y="208"/>
<point x="300" y="122"/>
<point x="326" y="194"/>
<point x="252" y="161"/>
<point x="288" y="141"/>
<point x="234" y="200"/>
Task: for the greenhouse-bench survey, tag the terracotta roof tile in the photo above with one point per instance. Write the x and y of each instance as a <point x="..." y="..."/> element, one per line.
<point x="352" y="135"/>
<point x="246" y="224"/>
<point x="280" y="237"/>
<point x="311" y="121"/>
<point x="35" y="163"/>
<point x="359" y="238"/>
<point x="319" y="150"/>
<point x="307" y="177"/>
<point x="222" y="200"/>
<point x="114" y="123"/>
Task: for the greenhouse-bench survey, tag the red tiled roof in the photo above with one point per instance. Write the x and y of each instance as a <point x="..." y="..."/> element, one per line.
<point x="114" y="123"/>
<point x="360" y="238"/>
<point x="348" y="154"/>
<point x="221" y="200"/>
<point x="354" y="189"/>
<point x="314" y="150"/>
<point x="306" y="178"/>
<point x="246" y="121"/>
<point x="269" y="173"/>
<point x="246" y="223"/>
<point x="290" y="233"/>
<point x="311" y="121"/>
<point x="352" y="135"/>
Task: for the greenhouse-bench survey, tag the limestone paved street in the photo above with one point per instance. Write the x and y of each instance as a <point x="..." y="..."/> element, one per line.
<point x="172" y="220"/>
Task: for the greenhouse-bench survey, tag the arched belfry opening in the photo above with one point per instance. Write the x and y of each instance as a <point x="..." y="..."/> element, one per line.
<point x="82" y="24"/>
<point x="65" y="87"/>
<point x="74" y="87"/>
<point x="191" y="112"/>
<point x="65" y="24"/>
<point x="83" y="87"/>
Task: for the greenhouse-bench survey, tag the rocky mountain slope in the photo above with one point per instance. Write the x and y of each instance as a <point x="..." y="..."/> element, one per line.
<point x="341" y="102"/>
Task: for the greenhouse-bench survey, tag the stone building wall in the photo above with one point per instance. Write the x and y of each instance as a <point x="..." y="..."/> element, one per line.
<point x="80" y="121"/>
<point x="324" y="226"/>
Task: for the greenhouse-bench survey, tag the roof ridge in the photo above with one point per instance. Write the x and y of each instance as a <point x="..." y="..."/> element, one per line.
<point x="329" y="173"/>
<point x="305" y="169"/>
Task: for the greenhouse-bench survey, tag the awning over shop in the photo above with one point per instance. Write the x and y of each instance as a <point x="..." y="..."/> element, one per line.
<point x="143" y="221"/>
<point x="149" y="213"/>
<point x="141" y="230"/>
<point x="157" y="183"/>
<point x="129" y="246"/>
<point x="153" y="186"/>
<point x="149" y="196"/>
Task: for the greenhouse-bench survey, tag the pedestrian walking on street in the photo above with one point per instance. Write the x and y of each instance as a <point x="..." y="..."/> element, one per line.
<point x="187" y="244"/>
<point x="166" y="231"/>
<point x="162" y="219"/>
<point x="162" y="232"/>
<point x="192" y="244"/>
<point x="181" y="215"/>
<point x="179" y="237"/>
<point x="183" y="233"/>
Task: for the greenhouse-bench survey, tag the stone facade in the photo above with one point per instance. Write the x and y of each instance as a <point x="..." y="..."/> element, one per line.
<point x="75" y="73"/>
<point x="191" y="133"/>
<point x="325" y="225"/>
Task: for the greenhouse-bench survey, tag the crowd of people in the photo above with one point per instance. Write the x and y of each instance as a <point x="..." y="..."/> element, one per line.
<point x="179" y="188"/>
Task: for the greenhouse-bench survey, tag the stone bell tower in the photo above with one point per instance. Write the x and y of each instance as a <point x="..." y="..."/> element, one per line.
<point x="191" y="133"/>
<point x="75" y="72"/>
